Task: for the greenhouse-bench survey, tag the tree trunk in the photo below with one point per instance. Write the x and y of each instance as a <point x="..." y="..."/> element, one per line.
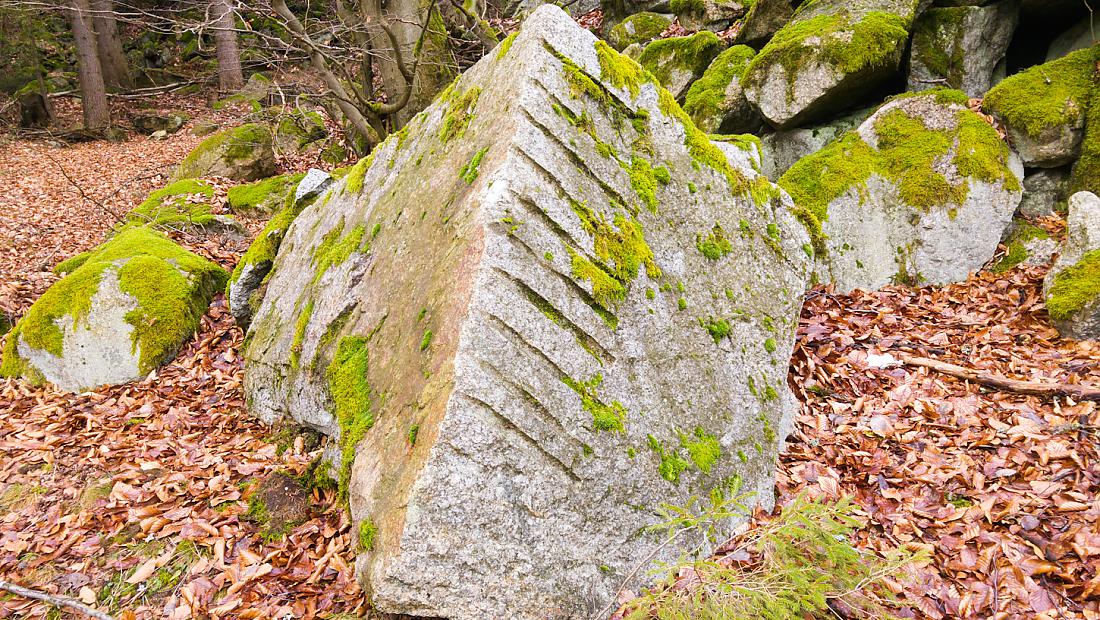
<point x="93" y="92"/>
<point x="116" y="71"/>
<point x="230" y="77"/>
<point x="436" y="66"/>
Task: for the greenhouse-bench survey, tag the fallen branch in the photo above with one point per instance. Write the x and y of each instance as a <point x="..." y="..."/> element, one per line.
<point x="1033" y="388"/>
<point x="59" y="601"/>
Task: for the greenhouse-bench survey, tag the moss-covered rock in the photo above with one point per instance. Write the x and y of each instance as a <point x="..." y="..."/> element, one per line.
<point x="1044" y="108"/>
<point x="243" y="153"/>
<point x="296" y="129"/>
<point x="678" y="61"/>
<point x="183" y="204"/>
<point x="266" y="196"/>
<point x="169" y="122"/>
<point x="764" y="19"/>
<point x="1072" y="287"/>
<point x="1045" y="192"/>
<point x="716" y="101"/>
<point x="1085" y="175"/>
<point x="831" y="52"/>
<point x="1026" y="244"/>
<point x="709" y="14"/>
<point x="921" y="192"/>
<point x="124" y="309"/>
<point x="960" y="47"/>
<point x="638" y="28"/>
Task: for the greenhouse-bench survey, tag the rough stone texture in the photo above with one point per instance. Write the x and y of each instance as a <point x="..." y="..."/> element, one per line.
<point x="717" y="102"/>
<point x="94" y="326"/>
<point x="709" y="14"/>
<point x="152" y="123"/>
<point x="961" y="47"/>
<point x="1044" y="188"/>
<point x="831" y="53"/>
<point x="1082" y="35"/>
<point x="639" y="28"/>
<point x="888" y="214"/>
<point x="763" y="20"/>
<point x="311" y="185"/>
<point x="243" y="153"/>
<point x="678" y="61"/>
<point x="781" y="149"/>
<point x="1044" y="108"/>
<point x="1078" y="261"/>
<point x="437" y="333"/>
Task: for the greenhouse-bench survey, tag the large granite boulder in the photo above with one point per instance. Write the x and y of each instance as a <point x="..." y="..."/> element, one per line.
<point x="679" y="61"/>
<point x="961" y="47"/>
<point x="831" y="52"/>
<point x="123" y="309"/>
<point x="764" y="19"/>
<point x="920" y="193"/>
<point x="782" y="149"/>
<point x="242" y="153"/>
<point x="547" y="307"/>
<point x="1044" y="108"/>
<point x="709" y="14"/>
<point x="1072" y="287"/>
<point x="716" y="101"/>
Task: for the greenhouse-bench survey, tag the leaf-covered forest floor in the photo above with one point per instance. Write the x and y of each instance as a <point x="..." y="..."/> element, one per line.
<point x="136" y="495"/>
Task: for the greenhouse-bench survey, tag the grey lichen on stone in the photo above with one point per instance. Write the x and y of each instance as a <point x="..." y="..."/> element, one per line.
<point x="678" y="61"/>
<point x="961" y="47"/>
<point x="1072" y="286"/>
<point x="123" y="309"/>
<point x="829" y="53"/>
<point x="920" y="193"/>
<point x="505" y="317"/>
<point x="242" y="153"/>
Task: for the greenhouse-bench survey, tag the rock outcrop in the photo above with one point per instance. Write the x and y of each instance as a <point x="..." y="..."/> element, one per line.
<point x="123" y="309"/>
<point x="1044" y="108"/>
<point x="763" y="20"/>
<point x="543" y="309"/>
<point x="781" y="149"/>
<point x="961" y="47"/>
<point x="920" y="193"/>
<point x="716" y="101"/>
<point x="1072" y="287"/>
<point x="829" y="53"/>
<point x="244" y="153"/>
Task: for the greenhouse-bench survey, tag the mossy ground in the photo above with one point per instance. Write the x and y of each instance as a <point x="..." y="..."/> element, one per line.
<point x="1049" y="95"/>
<point x="185" y="202"/>
<point x="1075" y="287"/>
<point x="170" y="284"/>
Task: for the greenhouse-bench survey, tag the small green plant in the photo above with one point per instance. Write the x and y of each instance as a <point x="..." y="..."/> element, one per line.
<point x="800" y="564"/>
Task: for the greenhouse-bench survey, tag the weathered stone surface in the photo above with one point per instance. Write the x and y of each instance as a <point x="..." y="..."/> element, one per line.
<point x="1072" y="287"/>
<point x="920" y="193"/>
<point x="1026" y="244"/>
<point x="123" y="309"/>
<point x="831" y="52"/>
<point x="1044" y="188"/>
<point x="266" y="196"/>
<point x="639" y="28"/>
<point x="1081" y="36"/>
<point x="243" y="153"/>
<point x="311" y="185"/>
<point x="763" y="20"/>
<point x="961" y="47"/>
<point x="716" y="101"/>
<point x="547" y="307"/>
<point x="168" y="123"/>
<point x="297" y="129"/>
<point x="1044" y="108"/>
<point x="781" y="149"/>
<point x="679" y="61"/>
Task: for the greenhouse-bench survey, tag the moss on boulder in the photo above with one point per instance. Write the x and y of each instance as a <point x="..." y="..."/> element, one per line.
<point x="716" y="101"/>
<point x="1044" y="108"/>
<point x="296" y="129"/>
<point x="676" y="62"/>
<point x="961" y="47"/>
<point x="830" y="52"/>
<point x="243" y="153"/>
<point x="924" y="188"/>
<point x="126" y="309"/>
<point x="638" y="28"/>
<point x="266" y="196"/>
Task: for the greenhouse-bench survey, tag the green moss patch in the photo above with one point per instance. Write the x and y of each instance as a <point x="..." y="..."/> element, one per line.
<point x="693" y="54"/>
<point x="705" y="101"/>
<point x="336" y="247"/>
<point x="506" y="44"/>
<point x="1016" y="253"/>
<point x="715" y="244"/>
<point x="264" y="196"/>
<point x="232" y="145"/>
<point x="459" y="115"/>
<point x="1050" y="95"/>
<point x="185" y="202"/>
<point x="469" y="172"/>
<point x="171" y="286"/>
<point x="638" y="28"/>
<point x="605" y="417"/>
<point x="1075" y="287"/>
<point x="703" y="449"/>
<point x="351" y="398"/>
<point x="621" y="249"/>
